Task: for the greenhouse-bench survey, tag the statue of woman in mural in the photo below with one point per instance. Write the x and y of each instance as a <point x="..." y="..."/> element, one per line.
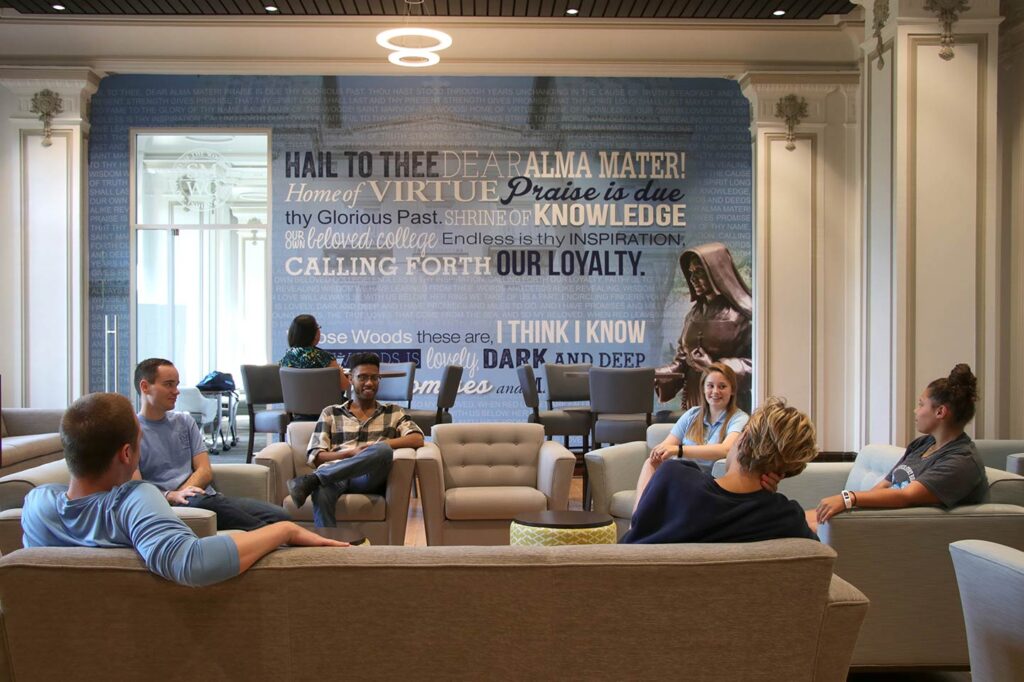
<point x="717" y="328"/>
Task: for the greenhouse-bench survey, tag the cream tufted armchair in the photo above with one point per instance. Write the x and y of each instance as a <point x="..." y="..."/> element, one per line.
<point x="474" y="478"/>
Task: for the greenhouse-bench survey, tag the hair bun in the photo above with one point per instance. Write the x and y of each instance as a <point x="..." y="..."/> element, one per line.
<point x="963" y="382"/>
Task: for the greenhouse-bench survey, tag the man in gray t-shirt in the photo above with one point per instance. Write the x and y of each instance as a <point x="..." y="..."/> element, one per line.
<point x="175" y="458"/>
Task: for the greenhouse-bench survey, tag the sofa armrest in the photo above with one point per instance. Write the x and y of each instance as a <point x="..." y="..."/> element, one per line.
<point x="243" y="480"/>
<point x="10" y="530"/>
<point x="14" y="487"/>
<point x="1015" y="464"/>
<point x="278" y="458"/>
<point x="877" y="549"/>
<point x="844" y="613"/>
<point x="203" y="522"/>
<point x="614" y="468"/>
<point x="29" y="421"/>
<point x="554" y="474"/>
<point x="1004" y="487"/>
<point x="399" y="489"/>
<point x="430" y="473"/>
<point x="817" y="481"/>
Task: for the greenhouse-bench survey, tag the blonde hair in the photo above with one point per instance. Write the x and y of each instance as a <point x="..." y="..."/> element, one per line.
<point x="696" y="431"/>
<point x="778" y="439"/>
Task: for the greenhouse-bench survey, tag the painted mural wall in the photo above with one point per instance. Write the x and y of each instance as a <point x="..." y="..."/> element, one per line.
<point x="486" y="222"/>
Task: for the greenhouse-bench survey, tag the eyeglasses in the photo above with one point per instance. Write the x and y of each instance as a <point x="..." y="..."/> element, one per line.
<point x="365" y="378"/>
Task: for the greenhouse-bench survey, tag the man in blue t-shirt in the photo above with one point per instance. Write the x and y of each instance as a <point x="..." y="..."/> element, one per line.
<point x="175" y="458"/>
<point x="103" y="507"/>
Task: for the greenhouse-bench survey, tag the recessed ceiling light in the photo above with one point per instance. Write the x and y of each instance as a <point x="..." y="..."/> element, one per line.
<point x="270" y="8"/>
<point x="572" y="11"/>
<point x="59" y="8"/>
<point x="779" y="12"/>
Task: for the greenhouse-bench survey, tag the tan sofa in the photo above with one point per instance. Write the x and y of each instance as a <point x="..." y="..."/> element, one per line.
<point x="237" y="480"/>
<point x="758" y="611"/>
<point x="30" y="437"/>
<point x="475" y="478"/>
<point x="381" y="518"/>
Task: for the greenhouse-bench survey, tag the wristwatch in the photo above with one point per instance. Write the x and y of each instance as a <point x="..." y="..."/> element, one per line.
<point x="847" y="499"/>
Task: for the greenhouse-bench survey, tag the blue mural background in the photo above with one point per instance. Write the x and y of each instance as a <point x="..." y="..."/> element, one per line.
<point x="407" y="312"/>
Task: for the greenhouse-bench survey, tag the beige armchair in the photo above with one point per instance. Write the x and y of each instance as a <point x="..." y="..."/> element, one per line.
<point x="382" y="519"/>
<point x="475" y="478"/>
<point x="236" y="480"/>
<point x="30" y="437"/>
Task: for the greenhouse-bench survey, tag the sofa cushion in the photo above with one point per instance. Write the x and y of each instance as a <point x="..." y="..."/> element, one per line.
<point x="489" y="455"/>
<point x="492" y="502"/>
<point x="871" y="466"/>
<point x="1004" y="487"/>
<point x="355" y="507"/>
<point x="22" y="448"/>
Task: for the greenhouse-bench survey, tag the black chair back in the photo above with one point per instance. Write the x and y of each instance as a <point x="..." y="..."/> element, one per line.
<point x="308" y="391"/>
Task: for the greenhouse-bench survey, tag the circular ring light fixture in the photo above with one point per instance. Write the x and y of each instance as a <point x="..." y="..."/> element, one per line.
<point x="403" y="55"/>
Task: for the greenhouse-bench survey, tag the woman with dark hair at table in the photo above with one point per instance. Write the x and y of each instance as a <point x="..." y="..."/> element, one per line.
<point x="941" y="467"/>
<point x="303" y="336"/>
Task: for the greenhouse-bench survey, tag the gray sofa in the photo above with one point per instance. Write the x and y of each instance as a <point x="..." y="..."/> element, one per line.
<point x="898" y="557"/>
<point x="1002" y="454"/>
<point x="757" y="611"/>
<point x="30" y="437"/>
<point x="238" y="480"/>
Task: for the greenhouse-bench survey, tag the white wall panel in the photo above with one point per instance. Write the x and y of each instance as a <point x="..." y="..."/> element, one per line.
<point x="789" y="258"/>
<point x="46" y="282"/>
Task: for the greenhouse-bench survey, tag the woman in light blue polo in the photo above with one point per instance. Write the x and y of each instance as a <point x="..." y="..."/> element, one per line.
<point x="704" y="432"/>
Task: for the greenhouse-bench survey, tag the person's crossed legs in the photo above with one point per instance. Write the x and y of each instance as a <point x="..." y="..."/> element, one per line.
<point x="366" y="473"/>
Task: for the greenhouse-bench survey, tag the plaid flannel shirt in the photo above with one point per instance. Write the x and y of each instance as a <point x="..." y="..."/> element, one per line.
<point x="338" y="428"/>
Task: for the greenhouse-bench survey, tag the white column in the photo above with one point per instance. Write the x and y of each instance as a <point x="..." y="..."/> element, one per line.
<point x="1011" y="205"/>
<point x="42" y="231"/>
<point x="933" y="269"/>
<point x="807" y="217"/>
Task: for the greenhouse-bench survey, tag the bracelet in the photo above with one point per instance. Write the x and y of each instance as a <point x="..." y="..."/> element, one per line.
<point x="847" y="499"/>
<point x="854" y="498"/>
<point x="680" y="451"/>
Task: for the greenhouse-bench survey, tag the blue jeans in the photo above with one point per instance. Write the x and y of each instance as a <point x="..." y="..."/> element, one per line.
<point x="365" y="473"/>
<point x="239" y="513"/>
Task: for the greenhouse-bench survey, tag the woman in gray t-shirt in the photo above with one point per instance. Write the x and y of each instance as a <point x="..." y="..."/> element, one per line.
<point x="941" y="467"/>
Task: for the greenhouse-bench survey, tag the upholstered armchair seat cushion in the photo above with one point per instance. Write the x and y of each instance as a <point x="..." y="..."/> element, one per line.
<point x="564" y="422"/>
<point x="621" y="505"/>
<point x="492" y="502"/>
<point x="268" y="421"/>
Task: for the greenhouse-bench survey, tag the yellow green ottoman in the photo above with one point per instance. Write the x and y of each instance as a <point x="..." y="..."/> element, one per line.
<point x="551" y="528"/>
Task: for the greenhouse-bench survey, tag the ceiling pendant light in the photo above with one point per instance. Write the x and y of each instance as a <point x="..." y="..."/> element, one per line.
<point x="412" y="55"/>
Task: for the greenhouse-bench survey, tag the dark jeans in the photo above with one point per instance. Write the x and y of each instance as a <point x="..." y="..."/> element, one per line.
<point x="365" y="473"/>
<point x="239" y="513"/>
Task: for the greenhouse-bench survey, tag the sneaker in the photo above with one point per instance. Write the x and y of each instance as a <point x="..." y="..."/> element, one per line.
<point x="302" y="487"/>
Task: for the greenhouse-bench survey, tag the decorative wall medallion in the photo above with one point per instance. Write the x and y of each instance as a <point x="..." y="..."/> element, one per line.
<point x="47" y="104"/>
<point x="792" y="109"/>
<point x="948" y="12"/>
<point x="203" y="179"/>
<point x="881" y="15"/>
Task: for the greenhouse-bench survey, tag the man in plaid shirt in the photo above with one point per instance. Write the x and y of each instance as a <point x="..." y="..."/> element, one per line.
<point x="353" y="444"/>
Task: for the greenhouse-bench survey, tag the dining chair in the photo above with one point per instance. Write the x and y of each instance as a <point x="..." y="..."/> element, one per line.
<point x="447" y="391"/>
<point x="307" y="392"/>
<point x="397" y="389"/>
<point x="262" y="386"/>
<point x="621" y="402"/>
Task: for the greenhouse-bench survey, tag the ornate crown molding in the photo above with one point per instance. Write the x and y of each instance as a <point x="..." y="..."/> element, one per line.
<point x="75" y="87"/>
<point x="948" y="12"/>
<point x="792" y="109"/>
<point x="47" y="104"/>
<point x="880" y="15"/>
